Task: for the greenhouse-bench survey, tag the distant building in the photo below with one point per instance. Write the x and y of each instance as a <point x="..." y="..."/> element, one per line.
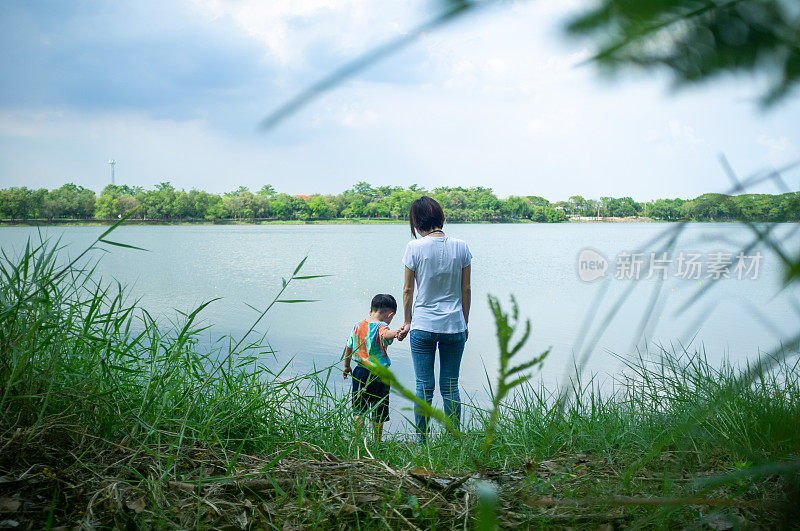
<point x="303" y="197"/>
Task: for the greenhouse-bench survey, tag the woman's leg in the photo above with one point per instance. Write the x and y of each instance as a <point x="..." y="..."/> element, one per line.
<point x="451" y="348"/>
<point x="423" y="349"/>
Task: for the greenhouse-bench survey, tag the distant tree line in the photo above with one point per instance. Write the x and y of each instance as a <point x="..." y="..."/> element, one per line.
<point x="165" y="203"/>
<point x="707" y="207"/>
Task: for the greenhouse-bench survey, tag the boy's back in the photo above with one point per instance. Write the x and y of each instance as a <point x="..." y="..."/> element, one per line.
<point x="368" y="342"/>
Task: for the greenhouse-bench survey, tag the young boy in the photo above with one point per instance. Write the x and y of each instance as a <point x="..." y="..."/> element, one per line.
<point x="368" y="341"/>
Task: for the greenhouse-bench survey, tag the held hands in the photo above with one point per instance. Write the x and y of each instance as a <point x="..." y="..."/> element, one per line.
<point x="402" y="332"/>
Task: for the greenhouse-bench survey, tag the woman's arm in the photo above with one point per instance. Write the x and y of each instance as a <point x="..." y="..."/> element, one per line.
<point x="408" y="297"/>
<point x="466" y="293"/>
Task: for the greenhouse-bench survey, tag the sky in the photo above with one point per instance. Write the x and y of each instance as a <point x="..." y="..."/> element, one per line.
<point x="174" y="90"/>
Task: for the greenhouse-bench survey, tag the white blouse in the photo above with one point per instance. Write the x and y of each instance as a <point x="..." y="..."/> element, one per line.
<point x="437" y="263"/>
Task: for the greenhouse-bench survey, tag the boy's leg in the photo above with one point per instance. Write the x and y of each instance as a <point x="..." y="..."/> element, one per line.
<point x="423" y="351"/>
<point x="378" y="393"/>
<point x="451" y="348"/>
<point x="361" y="406"/>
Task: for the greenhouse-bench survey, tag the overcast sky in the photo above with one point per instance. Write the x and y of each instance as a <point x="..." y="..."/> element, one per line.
<point x="174" y="90"/>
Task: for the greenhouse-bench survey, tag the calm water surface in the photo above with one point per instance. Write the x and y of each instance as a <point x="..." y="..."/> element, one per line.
<point x="537" y="263"/>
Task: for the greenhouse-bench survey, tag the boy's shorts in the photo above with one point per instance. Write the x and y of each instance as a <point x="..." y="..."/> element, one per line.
<point x="370" y="394"/>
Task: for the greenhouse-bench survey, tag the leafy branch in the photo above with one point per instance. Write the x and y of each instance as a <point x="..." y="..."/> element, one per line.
<point x="508" y="376"/>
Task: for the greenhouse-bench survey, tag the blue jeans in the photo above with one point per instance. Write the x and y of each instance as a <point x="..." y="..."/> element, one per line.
<point x="423" y="351"/>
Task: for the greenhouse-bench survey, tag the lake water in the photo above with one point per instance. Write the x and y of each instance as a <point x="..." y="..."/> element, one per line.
<point x="537" y="263"/>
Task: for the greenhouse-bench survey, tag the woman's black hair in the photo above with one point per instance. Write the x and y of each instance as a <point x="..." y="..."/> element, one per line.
<point x="426" y="214"/>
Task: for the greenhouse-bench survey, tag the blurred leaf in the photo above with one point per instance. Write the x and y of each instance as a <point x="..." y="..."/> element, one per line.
<point x="698" y="39"/>
<point x="793" y="271"/>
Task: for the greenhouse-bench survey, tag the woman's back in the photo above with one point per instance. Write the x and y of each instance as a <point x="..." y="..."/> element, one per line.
<point x="437" y="263"/>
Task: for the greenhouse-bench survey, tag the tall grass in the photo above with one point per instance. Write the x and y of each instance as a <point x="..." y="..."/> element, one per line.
<point x="656" y="402"/>
<point x="79" y="351"/>
<point x="81" y="363"/>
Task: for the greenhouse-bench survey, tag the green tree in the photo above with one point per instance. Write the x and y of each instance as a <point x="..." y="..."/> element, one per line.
<point x="319" y="207"/>
<point x="14" y="203"/>
<point x="106" y="206"/>
<point x="554" y="215"/>
<point x="517" y="207"/>
<point x="666" y="209"/>
<point x="126" y="204"/>
<point x="624" y="207"/>
<point x="115" y="201"/>
<point x="538" y="201"/>
<point x="72" y="201"/>
<point x="267" y="191"/>
<point x="365" y="191"/>
<point x="282" y="206"/>
<point x="179" y="207"/>
<point x="357" y="208"/>
<point x="577" y="205"/>
<point x="216" y="210"/>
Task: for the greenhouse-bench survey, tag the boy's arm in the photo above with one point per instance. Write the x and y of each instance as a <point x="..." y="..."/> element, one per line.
<point x="348" y="355"/>
<point x="387" y="334"/>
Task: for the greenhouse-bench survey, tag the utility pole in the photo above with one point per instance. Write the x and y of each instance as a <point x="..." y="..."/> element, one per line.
<point x="112" y="163"/>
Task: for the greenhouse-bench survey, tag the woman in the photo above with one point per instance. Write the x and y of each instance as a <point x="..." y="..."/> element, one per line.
<point x="440" y="267"/>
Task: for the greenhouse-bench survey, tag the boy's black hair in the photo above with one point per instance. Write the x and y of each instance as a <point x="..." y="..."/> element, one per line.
<point x="383" y="301"/>
<point x="425" y="214"/>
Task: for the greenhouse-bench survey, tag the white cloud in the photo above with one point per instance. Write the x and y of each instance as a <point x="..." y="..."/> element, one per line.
<point x="34" y="124"/>
<point x="674" y="136"/>
<point x="776" y="145"/>
<point x="356" y="116"/>
<point x="288" y="28"/>
<point x="503" y="59"/>
<point x="561" y="121"/>
<point x="779" y="150"/>
<point x="683" y="134"/>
